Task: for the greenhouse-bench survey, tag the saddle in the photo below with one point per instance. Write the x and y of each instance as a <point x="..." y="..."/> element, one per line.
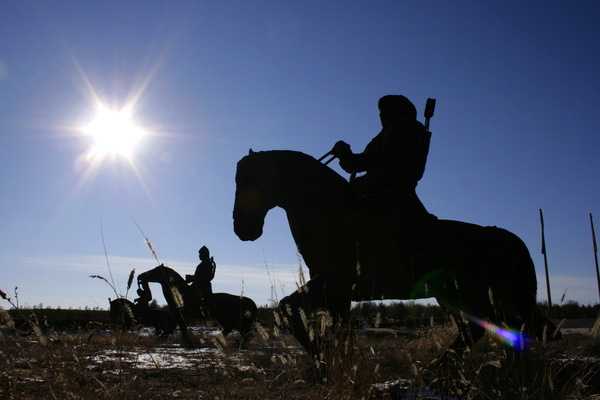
<point x="398" y="214"/>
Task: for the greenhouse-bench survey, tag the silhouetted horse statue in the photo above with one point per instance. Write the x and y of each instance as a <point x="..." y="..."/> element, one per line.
<point x="476" y="273"/>
<point x="126" y="314"/>
<point x="230" y="311"/>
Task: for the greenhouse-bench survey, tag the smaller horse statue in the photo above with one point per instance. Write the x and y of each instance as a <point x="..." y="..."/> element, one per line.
<point x="230" y="311"/>
<point x="125" y="314"/>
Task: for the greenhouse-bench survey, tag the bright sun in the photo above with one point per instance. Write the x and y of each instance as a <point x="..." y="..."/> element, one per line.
<point x="114" y="133"/>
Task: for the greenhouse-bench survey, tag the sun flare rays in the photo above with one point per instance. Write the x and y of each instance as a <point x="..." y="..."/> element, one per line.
<point x="112" y="135"/>
<point x="114" y="132"/>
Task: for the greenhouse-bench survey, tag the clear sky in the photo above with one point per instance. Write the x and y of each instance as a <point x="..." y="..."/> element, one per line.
<point x="515" y="128"/>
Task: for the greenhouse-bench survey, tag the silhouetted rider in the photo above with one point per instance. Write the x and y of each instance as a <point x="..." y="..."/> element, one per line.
<point x="394" y="161"/>
<point x="205" y="272"/>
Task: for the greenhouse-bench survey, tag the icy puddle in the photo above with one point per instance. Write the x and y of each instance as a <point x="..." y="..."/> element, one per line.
<point x="163" y="358"/>
<point x="173" y="357"/>
<point x="197" y="330"/>
<point x="218" y="354"/>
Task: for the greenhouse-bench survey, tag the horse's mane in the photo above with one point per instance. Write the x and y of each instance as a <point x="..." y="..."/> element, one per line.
<point x="164" y="270"/>
<point x="174" y="273"/>
<point x="297" y="165"/>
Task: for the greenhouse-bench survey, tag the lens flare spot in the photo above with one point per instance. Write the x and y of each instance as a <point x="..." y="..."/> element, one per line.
<point x="513" y="338"/>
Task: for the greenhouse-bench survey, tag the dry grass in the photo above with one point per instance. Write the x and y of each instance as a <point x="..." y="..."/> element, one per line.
<point x="43" y="364"/>
<point x="274" y="369"/>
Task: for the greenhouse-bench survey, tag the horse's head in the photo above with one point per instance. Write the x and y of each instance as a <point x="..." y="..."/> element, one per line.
<point x="160" y="274"/>
<point x="255" y="179"/>
<point x="287" y="179"/>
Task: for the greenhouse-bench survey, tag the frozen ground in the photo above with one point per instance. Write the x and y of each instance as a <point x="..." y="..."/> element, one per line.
<point x="101" y="364"/>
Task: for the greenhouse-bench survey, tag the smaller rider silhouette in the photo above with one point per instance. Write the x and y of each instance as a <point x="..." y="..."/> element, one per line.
<point x="205" y="272"/>
<point x="394" y="162"/>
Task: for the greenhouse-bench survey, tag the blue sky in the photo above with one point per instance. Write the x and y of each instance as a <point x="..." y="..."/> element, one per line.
<point x="514" y="130"/>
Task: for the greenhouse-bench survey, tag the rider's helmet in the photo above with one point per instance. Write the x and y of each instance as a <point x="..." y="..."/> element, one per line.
<point x="395" y="107"/>
<point x="203" y="252"/>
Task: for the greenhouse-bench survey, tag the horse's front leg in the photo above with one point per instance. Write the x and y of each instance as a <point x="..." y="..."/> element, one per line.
<point x="312" y="310"/>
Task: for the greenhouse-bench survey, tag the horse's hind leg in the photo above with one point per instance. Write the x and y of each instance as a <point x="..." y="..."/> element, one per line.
<point x="247" y="335"/>
<point x="544" y="329"/>
<point x="247" y="330"/>
<point x="469" y="333"/>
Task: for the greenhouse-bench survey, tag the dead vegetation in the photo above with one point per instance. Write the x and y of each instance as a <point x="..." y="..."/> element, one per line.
<point x="100" y="364"/>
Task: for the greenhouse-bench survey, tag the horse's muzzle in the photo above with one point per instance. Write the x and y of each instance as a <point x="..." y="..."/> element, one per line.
<point x="247" y="233"/>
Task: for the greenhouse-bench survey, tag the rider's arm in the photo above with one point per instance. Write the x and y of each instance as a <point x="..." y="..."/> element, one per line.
<point x="360" y="162"/>
<point x="352" y="162"/>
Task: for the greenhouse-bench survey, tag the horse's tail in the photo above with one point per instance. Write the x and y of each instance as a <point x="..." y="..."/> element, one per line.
<point x="523" y="285"/>
<point x="524" y="277"/>
<point x="249" y="312"/>
<point x="539" y="324"/>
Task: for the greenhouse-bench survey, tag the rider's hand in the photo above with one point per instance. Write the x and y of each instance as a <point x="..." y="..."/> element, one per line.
<point x="341" y="149"/>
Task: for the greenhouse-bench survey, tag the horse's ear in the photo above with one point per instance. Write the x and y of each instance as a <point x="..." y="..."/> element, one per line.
<point x="250" y="152"/>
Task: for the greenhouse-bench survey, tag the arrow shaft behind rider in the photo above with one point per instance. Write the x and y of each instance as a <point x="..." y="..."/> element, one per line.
<point x="595" y="252"/>
<point x="545" y="253"/>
